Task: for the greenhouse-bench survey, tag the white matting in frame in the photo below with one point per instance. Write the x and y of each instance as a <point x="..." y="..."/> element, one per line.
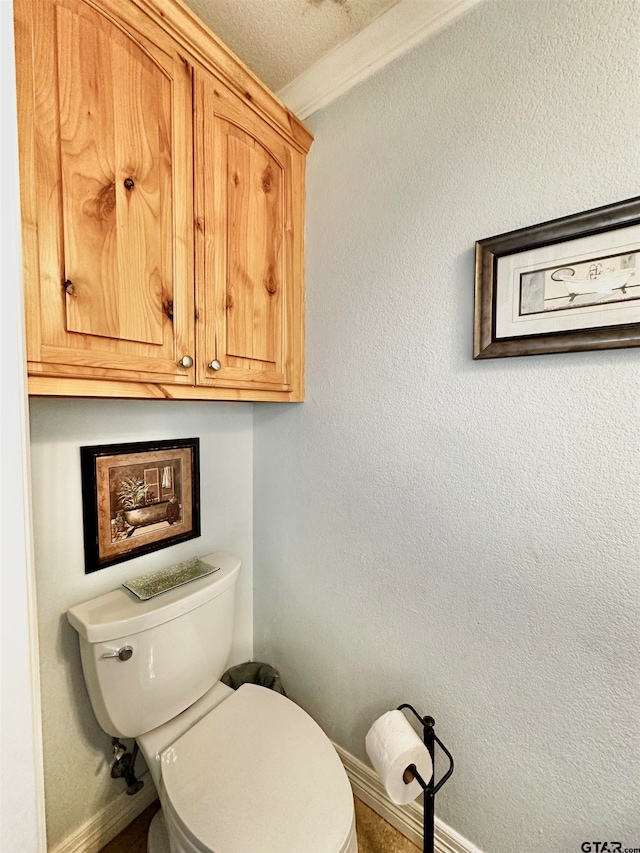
<point x="564" y="285"/>
<point x="586" y="283"/>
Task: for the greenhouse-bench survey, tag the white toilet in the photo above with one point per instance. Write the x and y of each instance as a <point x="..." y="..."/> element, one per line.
<point x="243" y="771"/>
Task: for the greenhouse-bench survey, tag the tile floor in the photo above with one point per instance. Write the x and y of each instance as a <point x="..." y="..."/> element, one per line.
<point x="375" y="835"/>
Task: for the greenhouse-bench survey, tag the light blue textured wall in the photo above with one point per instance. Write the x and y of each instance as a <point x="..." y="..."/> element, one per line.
<point x="464" y="535"/>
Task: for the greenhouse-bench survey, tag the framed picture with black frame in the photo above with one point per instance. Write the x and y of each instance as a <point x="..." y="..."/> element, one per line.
<point x="566" y="285"/>
<point x="138" y="497"/>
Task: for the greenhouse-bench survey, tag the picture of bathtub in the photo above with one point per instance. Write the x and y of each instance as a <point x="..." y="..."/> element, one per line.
<point x="144" y="496"/>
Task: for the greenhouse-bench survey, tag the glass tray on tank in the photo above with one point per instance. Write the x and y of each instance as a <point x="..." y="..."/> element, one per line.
<point x="155" y="583"/>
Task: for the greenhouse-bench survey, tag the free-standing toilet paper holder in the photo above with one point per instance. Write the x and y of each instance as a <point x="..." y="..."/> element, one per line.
<point x="430" y="788"/>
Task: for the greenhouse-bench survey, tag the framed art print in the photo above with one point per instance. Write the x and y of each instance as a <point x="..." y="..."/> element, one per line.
<point x="138" y="498"/>
<point x="565" y="285"/>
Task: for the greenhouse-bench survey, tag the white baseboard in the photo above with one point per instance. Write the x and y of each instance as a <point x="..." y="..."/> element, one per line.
<point x="406" y="819"/>
<point x="93" y="835"/>
<point x="109" y="821"/>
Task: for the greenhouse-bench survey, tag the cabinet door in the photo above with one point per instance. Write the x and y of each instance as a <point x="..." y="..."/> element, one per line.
<point x="106" y="165"/>
<point x="248" y="191"/>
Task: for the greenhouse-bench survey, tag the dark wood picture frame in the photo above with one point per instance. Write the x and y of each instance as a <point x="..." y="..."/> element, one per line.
<point x="138" y="497"/>
<point x="487" y="344"/>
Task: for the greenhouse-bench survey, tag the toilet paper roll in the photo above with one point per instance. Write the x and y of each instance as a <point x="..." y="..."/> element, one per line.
<point x="392" y="745"/>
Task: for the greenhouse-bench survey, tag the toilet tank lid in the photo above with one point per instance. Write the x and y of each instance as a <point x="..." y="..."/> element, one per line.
<point x="120" y="613"/>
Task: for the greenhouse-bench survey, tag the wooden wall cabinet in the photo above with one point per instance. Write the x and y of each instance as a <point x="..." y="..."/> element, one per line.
<point x="162" y="191"/>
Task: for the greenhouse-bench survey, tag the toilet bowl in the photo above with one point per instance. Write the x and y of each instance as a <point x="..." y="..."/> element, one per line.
<point x="245" y="771"/>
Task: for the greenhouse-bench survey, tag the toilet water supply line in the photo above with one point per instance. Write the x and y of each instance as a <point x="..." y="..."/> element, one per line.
<point x="124" y="764"/>
<point x="430" y="789"/>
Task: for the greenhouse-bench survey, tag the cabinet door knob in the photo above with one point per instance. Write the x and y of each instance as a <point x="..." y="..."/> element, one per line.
<point x="214" y="365"/>
<point x="68" y="287"/>
<point x="186" y="361"/>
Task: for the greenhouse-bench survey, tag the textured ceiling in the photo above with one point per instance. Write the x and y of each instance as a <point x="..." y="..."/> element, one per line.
<point x="279" y="39"/>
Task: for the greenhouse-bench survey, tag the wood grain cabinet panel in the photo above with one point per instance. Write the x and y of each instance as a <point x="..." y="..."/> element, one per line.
<point x="136" y="125"/>
<point x="115" y="157"/>
<point x="106" y="165"/>
<point x="248" y="234"/>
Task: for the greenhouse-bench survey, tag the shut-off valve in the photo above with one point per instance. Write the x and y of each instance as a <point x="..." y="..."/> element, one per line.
<point x="123" y="766"/>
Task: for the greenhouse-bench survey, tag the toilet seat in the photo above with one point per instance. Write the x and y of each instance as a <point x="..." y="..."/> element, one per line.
<point x="258" y="774"/>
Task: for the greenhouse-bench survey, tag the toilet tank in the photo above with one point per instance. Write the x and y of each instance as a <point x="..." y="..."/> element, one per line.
<point x="180" y="642"/>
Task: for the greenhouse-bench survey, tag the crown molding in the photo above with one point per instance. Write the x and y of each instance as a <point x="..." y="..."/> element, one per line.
<point x="191" y="34"/>
<point x="394" y="32"/>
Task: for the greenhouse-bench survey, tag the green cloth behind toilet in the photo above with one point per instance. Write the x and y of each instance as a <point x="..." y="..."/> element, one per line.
<point x="253" y="672"/>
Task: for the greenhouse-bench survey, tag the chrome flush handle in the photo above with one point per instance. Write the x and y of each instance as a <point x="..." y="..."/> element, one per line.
<point x="124" y="653"/>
